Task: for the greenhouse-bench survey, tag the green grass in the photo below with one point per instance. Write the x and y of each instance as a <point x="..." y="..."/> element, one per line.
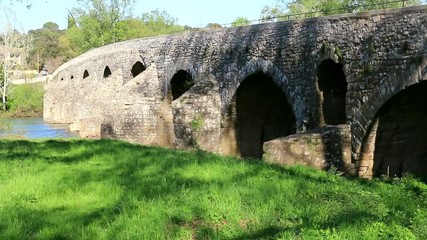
<point x="104" y="189"/>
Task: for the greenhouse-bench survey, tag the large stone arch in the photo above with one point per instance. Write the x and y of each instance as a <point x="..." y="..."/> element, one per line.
<point x="364" y="141"/>
<point x="397" y="141"/>
<point x="365" y="109"/>
<point x="293" y="95"/>
<point x="259" y="111"/>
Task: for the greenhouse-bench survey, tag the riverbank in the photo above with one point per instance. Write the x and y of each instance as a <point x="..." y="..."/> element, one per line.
<point x="24" y="114"/>
<point x="105" y="189"/>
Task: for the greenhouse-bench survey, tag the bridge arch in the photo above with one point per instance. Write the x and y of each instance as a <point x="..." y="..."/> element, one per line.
<point x="396" y="141"/>
<point x="137" y="68"/>
<point x="332" y="84"/>
<point x="365" y="120"/>
<point x="180" y="83"/>
<point x="85" y="74"/>
<point x="107" y="72"/>
<point x="259" y="111"/>
<point x="278" y="77"/>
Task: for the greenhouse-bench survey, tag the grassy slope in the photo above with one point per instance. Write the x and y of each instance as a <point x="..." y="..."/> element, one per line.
<point x="104" y="189"/>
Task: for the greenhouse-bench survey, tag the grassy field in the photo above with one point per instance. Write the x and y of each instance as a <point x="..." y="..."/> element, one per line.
<point x="104" y="189"/>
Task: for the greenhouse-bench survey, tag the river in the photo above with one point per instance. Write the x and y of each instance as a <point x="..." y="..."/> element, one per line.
<point x="33" y="128"/>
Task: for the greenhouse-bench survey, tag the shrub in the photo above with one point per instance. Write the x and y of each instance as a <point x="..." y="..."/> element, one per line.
<point x="26" y="100"/>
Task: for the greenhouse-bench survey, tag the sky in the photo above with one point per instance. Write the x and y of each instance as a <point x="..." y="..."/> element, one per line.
<point x="194" y="13"/>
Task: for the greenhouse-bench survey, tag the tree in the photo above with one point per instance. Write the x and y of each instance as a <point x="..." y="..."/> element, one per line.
<point x="96" y="21"/>
<point x="213" y="26"/>
<point x="240" y="21"/>
<point x="14" y="48"/>
<point x="46" y="46"/>
<point x="90" y="29"/>
<point x="157" y="23"/>
<point x="285" y="9"/>
<point x="26" y="100"/>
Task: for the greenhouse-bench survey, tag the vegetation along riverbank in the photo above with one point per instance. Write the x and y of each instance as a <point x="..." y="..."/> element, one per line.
<point x="105" y="189"/>
<point x="25" y="100"/>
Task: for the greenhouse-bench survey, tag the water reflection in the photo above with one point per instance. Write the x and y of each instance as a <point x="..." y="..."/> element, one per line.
<point x="36" y="128"/>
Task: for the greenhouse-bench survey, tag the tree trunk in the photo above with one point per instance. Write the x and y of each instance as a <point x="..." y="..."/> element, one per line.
<point x="4" y="88"/>
<point x="4" y="103"/>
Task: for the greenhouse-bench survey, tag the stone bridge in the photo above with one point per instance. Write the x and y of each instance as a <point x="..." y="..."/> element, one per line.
<point x="345" y="90"/>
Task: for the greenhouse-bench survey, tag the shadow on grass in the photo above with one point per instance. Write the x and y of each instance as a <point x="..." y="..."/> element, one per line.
<point x="153" y="174"/>
<point x="266" y="233"/>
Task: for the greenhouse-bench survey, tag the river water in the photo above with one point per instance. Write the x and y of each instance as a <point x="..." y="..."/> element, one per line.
<point x="33" y="128"/>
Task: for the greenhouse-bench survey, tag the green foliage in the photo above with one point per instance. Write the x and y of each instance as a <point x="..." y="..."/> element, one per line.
<point x="12" y="42"/>
<point x="26" y="100"/>
<point x="46" y="45"/>
<point x="323" y="48"/>
<point x="197" y="123"/>
<point x="158" y="23"/>
<point x="92" y="24"/>
<point x="240" y="21"/>
<point x="196" y="126"/>
<point x="368" y="69"/>
<point x="283" y="9"/>
<point x="277" y="12"/>
<point x="100" y="22"/>
<point x="338" y="53"/>
<point x="213" y="26"/>
<point x="95" y="23"/>
<point x="104" y="189"/>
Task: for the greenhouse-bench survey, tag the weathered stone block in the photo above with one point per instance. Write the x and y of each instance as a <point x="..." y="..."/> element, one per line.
<point x="322" y="148"/>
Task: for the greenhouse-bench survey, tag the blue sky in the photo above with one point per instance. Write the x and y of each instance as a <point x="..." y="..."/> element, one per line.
<point x="195" y="13"/>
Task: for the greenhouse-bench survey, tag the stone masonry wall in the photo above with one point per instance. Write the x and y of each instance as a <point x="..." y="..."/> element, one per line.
<point x="381" y="52"/>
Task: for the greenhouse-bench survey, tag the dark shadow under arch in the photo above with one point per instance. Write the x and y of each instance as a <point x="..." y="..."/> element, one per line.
<point x="137" y="69"/>
<point x="107" y="72"/>
<point x="259" y="112"/>
<point x="333" y="85"/>
<point x="181" y="82"/>
<point x="401" y="134"/>
<point x="85" y="74"/>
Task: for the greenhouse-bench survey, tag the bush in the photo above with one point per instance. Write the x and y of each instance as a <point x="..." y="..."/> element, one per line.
<point x="26" y="100"/>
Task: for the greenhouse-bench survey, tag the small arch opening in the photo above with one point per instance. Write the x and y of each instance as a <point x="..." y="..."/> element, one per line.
<point x="181" y="82"/>
<point x="107" y="72"/>
<point x="332" y="83"/>
<point x="62" y="79"/>
<point x="85" y="74"/>
<point x="72" y="77"/>
<point x="137" y="69"/>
